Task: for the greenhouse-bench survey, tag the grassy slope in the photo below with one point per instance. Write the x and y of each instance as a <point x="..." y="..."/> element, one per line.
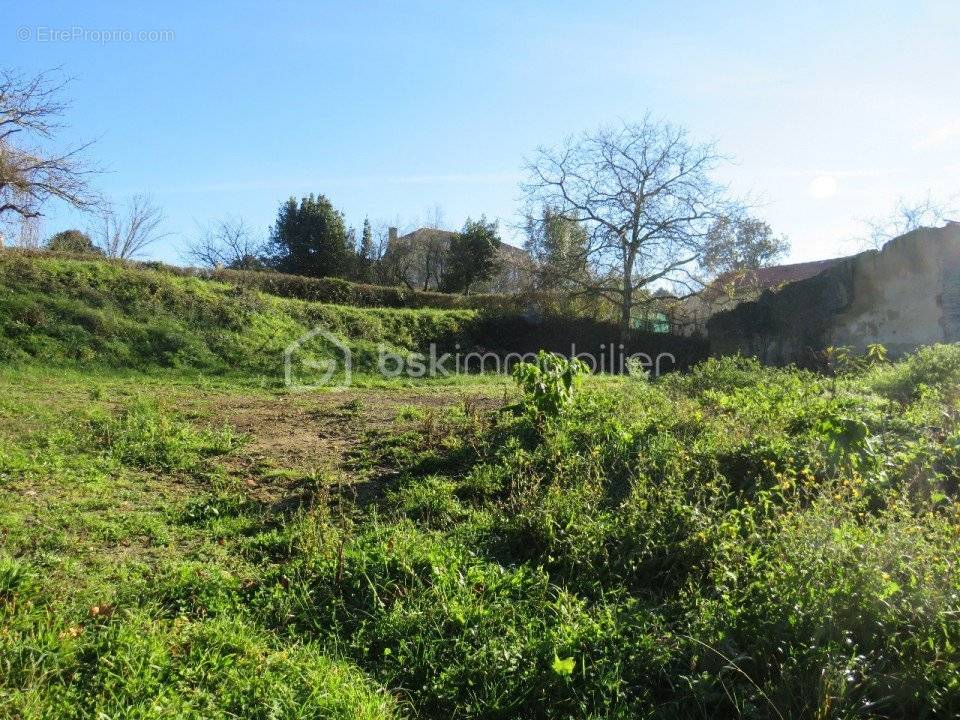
<point x="62" y="311"/>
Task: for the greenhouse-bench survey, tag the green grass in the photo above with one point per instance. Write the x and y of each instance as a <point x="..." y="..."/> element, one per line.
<point x="733" y="542"/>
<point x="119" y="572"/>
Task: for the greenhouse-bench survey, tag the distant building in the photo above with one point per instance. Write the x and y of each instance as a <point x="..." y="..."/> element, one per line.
<point x="733" y="288"/>
<point x="422" y="253"/>
<point x="654" y="316"/>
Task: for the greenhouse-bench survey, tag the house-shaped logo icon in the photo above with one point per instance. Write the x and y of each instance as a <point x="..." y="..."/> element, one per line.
<point x="302" y="371"/>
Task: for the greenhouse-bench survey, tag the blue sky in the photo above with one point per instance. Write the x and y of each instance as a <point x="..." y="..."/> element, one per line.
<point x="831" y="110"/>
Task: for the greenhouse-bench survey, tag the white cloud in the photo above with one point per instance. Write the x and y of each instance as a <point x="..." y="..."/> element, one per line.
<point x="823" y="187"/>
<point x="938" y="136"/>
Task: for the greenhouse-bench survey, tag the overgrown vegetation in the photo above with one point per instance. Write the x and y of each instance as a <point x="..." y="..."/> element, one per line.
<point x="70" y="311"/>
<point x="731" y="542"/>
<point x="65" y="311"/>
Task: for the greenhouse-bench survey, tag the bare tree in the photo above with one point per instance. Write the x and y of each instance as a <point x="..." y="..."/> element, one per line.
<point x="31" y="173"/>
<point x="418" y="259"/>
<point x="25" y="232"/>
<point x="381" y="240"/>
<point x="396" y="267"/>
<point x="426" y="256"/>
<point x="389" y="264"/>
<point x="645" y="197"/>
<point x="125" y="235"/>
<point x="228" y="243"/>
<point x="906" y="216"/>
<point x="435" y="217"/>
<point x="430" y="253"/>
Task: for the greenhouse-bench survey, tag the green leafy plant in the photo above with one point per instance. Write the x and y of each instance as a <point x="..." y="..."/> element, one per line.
<point x="843" y="360"/>
<point x="550" y="382"/>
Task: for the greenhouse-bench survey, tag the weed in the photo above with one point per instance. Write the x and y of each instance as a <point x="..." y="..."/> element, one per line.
<point x="550" y="382"/>
<point x="144" y="436"/>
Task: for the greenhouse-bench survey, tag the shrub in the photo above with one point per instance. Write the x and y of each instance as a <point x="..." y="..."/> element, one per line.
<point x="549" y="383"/>
<point x="73" y="242"/>
<point x="936" y="366"/>
<point x="735" y="542"/>
<point x="344" y="292"/>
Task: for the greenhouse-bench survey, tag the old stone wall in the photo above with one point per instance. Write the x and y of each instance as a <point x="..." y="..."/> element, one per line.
<point x="904" y="296"/>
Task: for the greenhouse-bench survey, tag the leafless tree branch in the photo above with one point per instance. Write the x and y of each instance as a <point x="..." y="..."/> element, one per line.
<point x="227" y="243"/>
<point x="31" y="173"/>
<point x="126" y="234"/>
<point x="644" y="193"/>
<point x="905" y="217"/>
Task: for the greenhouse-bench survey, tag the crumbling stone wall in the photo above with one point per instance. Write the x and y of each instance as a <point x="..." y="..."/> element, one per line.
<point x="904" y="296"/>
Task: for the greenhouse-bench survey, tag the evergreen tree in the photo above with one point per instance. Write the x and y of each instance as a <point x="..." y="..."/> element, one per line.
<point x="310" y="238"/>
<point x="366" y="242"/>
<point x="472" y="256"/>
<point x="559" y="247"/>
<point x="365" y="259"/>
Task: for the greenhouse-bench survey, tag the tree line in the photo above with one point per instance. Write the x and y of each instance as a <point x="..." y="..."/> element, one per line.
<point x="620" y="217"/>
<point x="310" y="237"/>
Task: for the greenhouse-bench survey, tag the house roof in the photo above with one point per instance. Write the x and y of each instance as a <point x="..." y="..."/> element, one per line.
<point x="767" y="278"/>
<point x="422" y="234"/>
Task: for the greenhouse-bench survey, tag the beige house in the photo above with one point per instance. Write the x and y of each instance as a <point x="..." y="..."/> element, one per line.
<point x="421" y="255"/>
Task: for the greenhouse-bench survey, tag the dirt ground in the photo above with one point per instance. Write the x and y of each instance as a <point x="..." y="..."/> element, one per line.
<point x="290" y="437"/>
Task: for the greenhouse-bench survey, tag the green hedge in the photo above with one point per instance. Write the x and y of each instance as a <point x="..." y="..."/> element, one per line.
<point x="345" y="292"/>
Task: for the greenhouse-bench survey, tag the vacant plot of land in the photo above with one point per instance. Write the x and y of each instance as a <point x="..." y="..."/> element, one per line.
<point x="734" y="542"/>
<point x="268" y="446"/>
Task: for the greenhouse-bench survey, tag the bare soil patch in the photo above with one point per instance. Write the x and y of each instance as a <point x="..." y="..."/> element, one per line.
<point x="295" y="437"/>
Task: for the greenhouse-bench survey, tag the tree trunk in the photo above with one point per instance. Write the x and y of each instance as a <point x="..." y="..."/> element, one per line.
<point x="626" y="312"/>
<point x="625" y="323"/>
<point x="626" y="309"/>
